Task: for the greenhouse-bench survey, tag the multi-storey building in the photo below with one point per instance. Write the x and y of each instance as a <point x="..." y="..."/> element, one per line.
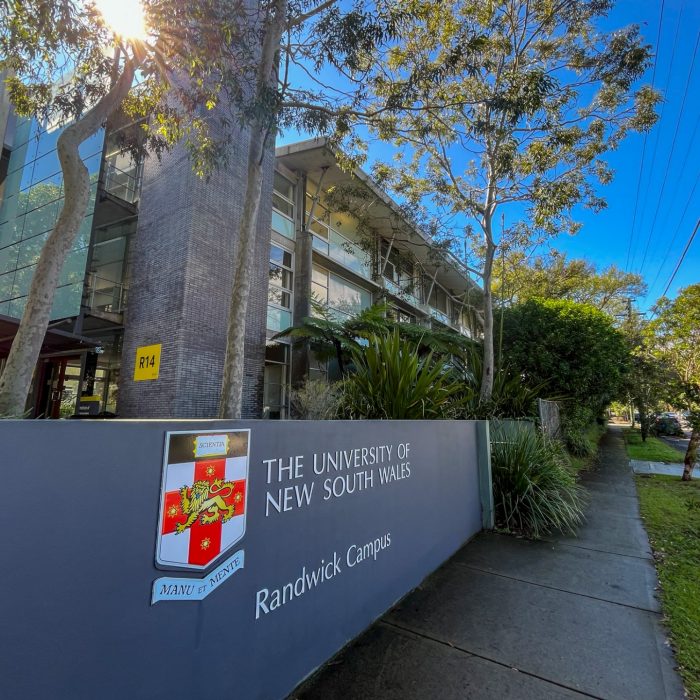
<point x="153" y="262"/>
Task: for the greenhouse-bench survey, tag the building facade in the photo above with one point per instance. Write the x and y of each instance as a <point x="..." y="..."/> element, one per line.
<point x="152" y="267"/>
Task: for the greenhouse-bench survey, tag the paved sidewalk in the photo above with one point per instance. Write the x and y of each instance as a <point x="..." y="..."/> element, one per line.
<point x="508" y="618"/>
<point x="668" y="468"/>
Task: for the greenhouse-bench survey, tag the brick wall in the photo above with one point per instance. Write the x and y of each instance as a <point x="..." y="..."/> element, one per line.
<point x="181" y="268"/>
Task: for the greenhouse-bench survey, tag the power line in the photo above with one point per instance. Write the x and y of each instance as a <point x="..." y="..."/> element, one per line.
<point x="670" y="154"/>
<point x="680" y="260"/>
<point x="646" y="134"/>
<point x="675" y="233"/>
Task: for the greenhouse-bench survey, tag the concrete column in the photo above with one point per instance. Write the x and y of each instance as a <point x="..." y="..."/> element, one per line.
<point x="302" y="284"/>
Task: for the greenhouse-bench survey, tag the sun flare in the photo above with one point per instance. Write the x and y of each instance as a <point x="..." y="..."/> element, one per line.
<point x="124" y="17"/>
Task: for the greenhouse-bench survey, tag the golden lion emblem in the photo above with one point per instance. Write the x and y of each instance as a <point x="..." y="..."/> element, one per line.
<point x="205" y="501"/>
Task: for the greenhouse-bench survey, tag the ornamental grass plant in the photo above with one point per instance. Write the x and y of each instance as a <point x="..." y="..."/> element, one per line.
<point x="534" y="488"/>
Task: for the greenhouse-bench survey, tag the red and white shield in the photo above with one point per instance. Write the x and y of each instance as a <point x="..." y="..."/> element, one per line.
<point x="203" y="496"/>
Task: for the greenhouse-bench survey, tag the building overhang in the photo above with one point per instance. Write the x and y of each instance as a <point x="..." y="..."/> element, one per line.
<point x="315" y="158"/>
<point x="56" y="341"/>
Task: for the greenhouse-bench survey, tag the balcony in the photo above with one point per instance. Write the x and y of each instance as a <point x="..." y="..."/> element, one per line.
<point x="440" y="316"/>
<point x="402" y="294"/>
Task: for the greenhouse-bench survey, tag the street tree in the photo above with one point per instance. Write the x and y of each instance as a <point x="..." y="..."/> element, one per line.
<point x="512" y="105"/>
<point x="677" y="340"/>
<point x="65" y="62"/>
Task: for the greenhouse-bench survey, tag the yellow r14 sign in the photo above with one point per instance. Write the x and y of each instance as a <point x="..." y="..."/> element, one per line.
<point x="147" y="362"/>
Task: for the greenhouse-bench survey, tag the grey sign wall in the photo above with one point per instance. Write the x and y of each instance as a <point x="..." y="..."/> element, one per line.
<point x="341" y="519"/>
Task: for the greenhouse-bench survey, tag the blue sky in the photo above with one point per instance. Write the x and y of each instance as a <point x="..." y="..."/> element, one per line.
<point x="605" y="237"/>
<point x="668" y="203"/>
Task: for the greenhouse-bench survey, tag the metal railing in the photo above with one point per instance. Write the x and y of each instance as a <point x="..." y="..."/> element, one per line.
<point x="124" y="184"/>
<point x="396" y="290"/>
<point x="105" y="295"/>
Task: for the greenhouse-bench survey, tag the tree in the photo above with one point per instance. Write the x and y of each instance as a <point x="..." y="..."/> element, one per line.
<point x="64" y="64"/>
<point x="553" y="276"/>
<point x="571" y="348"/>
<point x="297" y="38"/>
<point x="512" y="105"/>
<point x="677" y="339"/>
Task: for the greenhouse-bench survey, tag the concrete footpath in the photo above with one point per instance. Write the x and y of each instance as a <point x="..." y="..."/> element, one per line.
<point x="571" y="617"/>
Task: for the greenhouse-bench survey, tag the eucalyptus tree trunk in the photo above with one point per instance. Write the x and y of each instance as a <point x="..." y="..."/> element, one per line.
<point x="488" y="359"/>
<point x="691" y="454"/>
<point x="26" y="347"/>
<point x="488" y="363"/>
<point x="230" y="402"/>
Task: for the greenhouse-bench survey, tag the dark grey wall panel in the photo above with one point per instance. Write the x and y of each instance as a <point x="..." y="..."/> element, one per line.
<point x="78" y="525"/>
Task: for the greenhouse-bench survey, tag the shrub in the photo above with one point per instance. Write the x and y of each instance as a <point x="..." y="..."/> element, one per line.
<point x="575" y="425"/>
<point x="391" y="380"/>
<point x="316" y="400"/>
<point x="572" y="347"/>
<point x="534" y="489"/>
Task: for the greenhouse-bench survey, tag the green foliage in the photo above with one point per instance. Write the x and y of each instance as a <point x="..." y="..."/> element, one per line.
<point x="553" y="276"/>
<point x="676" y="339"/>
<point x="338" y="338"/>
<point x="592" y="436"/>
<point x="393" y="381"/>
<point x="571" y="347"/>
<point x="535" y="492"/>
<point x="575" y="424"/>
<point x="651" y="449"/>
<point x="511" y="396"/>
<point x="671" y="513"/>
<point x="58" y="56"/>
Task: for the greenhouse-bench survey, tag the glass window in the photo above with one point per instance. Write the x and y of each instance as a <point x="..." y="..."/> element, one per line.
<point x="280" y="289"/>
<point x="32" y="199"/>
<point x="276" y="382"/>
<point x="8" y="259"/>
<point x="349" y="254"/>
<point x="283" y="187"/>
<point x="282" y="225"/>
<point x="319" y="284"/>
<point x="283" y="206"/>
<point x="345" y="297"/>
<point x="280" y="256"/>
<point x="438" y="299"/>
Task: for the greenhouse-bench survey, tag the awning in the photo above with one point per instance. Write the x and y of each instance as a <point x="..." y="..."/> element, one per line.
<point x="55" y="340"/>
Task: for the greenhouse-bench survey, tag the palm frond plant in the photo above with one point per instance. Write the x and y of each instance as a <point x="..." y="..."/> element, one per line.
<point x="534" y="489"/>
<point x="334" y="338"/>
<point x="393" y="381"/>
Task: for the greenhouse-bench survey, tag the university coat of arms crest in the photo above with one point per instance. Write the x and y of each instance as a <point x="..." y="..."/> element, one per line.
<point x="203" y="497"/>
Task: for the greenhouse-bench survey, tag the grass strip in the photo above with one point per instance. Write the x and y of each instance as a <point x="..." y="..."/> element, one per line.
<point x="671" y="512"/>
<point x="653" y="450"/>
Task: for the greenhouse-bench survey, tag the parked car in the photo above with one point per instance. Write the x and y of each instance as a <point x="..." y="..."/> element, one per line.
<point x="667" y="424"/>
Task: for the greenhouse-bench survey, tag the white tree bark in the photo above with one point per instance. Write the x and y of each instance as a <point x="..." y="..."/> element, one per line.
<point x="26" y="347"/>
<point x="488" y="363"/>
<point x="230" y="403"/>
